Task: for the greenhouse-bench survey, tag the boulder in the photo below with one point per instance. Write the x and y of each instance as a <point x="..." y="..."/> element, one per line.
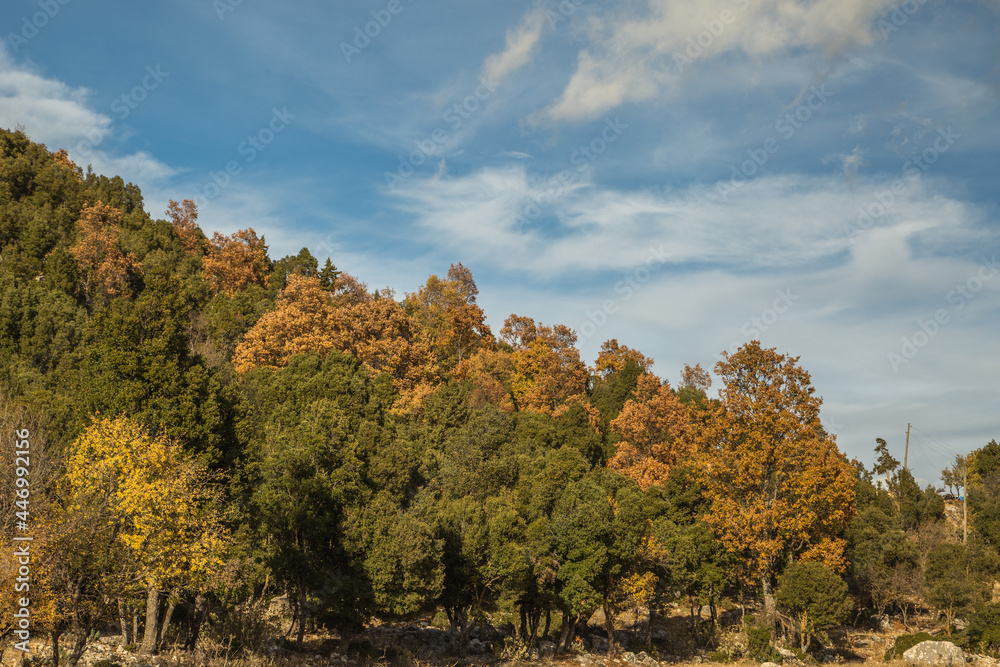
<point x="646" y="660"/>
<point x="934" y="654"/>
<point x="769" y="664"/>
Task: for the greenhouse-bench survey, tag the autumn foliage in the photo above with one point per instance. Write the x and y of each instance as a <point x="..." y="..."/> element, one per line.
<point x="656" y="433"/>
<point x="778" y="485"/>
<point x="105" y="267"/>
<point x="235" y="261"/>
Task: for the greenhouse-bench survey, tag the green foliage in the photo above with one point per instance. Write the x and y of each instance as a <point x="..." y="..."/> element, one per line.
<point x="955" y="580"/>
<point x="984" y="630"/>
<point x="815" y="596"/>
<point x="984" y="497"/>
<point x="916" y="507"/>
<point x="905" y="642"/>
<point x="759" y="646"/>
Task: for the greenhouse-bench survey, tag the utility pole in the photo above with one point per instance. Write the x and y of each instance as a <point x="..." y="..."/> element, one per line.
<point x="965" y="505"/>
<point x="906" y="451"/>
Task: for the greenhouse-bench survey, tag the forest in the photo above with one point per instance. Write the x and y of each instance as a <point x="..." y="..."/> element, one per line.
<point x="211" y="428"/>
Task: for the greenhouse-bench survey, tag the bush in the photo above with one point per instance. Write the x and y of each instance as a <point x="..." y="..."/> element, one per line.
<point x="759" y="645"/>
<point x="906" y="642"/>
<point x="984" y="630"/>
<point x="815" y="596"/>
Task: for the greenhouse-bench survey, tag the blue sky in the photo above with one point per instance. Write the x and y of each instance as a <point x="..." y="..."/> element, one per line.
<point x="682" y="175"/>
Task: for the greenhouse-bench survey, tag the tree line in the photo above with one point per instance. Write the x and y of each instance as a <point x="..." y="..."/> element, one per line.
<point x="213" y="427"/>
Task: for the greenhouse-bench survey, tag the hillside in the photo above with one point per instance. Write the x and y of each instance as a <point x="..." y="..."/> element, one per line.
<point x="203" y="430"/>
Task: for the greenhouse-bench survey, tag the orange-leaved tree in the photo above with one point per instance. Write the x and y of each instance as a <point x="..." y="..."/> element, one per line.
<point x="779" y="487"/>
<point x="235" y="261"/>
<point x="104" y="266"/>
<point x="308" y="318"/>
<point x="547" y="365"/>
<point x="613" y="358"/>
<point x="447" y="311"/>
<point x="655" y="430"/>
<point x="184" y="217"/>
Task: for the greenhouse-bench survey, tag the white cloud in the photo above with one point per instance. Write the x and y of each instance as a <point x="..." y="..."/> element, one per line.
<point x="643" y="57"/>
<point x="520" y="46"/>
<point x="771" y="223"/>
<point x="61" y="116"/>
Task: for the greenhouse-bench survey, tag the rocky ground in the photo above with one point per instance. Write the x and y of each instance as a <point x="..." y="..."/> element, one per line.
<point x="422" y="645"/>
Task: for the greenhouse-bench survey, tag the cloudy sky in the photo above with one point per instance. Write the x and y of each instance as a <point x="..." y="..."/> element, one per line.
<point x="682" y="175"/>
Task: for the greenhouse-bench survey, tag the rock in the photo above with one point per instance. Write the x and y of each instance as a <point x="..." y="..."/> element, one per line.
<point x="548" y="649"/>
<point x="598" y="644"/>
<point x="597" y="619"/>
<point x="646" y="660"/>
<point x="476" y="647"/>
<point x="769" y="664"/>
<point x="934" y="654"/>
<point x="629" y="657"/>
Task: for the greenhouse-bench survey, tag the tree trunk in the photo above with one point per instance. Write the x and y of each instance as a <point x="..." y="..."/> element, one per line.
<point x="166" y="620"/>
<point x="548" y="620"/>
<point x="123" y="621"/>
<point x="55" y="647"/>
<point x="200" y="611"/>
<point x="770" y="608"/>
<point x="302" y="617"/>
<point x="150" y="635"/>
<point x="649" y="624"/>
<point x="567" y="630"/>
<point x="609" y="625"/>
<point x="79" y="646"/>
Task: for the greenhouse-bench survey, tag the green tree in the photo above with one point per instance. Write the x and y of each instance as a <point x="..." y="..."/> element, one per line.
<point x="815" y="596"/>
<point x="984" y="496"/>
<point x="954" y="581"/>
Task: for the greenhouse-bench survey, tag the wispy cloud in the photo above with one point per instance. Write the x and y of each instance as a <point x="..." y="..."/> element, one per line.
<point x="520" y="47"/>
<point x="638" y="58"/>
<point x="63" y="116"/>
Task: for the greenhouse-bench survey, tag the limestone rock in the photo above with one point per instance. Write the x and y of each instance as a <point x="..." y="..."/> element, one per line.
<point x="934" y="654"/>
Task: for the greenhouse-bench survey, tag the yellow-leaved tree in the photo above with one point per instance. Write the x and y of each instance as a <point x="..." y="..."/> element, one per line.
<point x="162" y="504"/>
<point x="780" y="489"/>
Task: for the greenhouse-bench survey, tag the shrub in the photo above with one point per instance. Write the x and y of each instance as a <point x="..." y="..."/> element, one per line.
<point x="815" y="596"/>
<point x="984" y="630"/>
<point x="759" y="645"/>
<point x="906" y="642"/>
